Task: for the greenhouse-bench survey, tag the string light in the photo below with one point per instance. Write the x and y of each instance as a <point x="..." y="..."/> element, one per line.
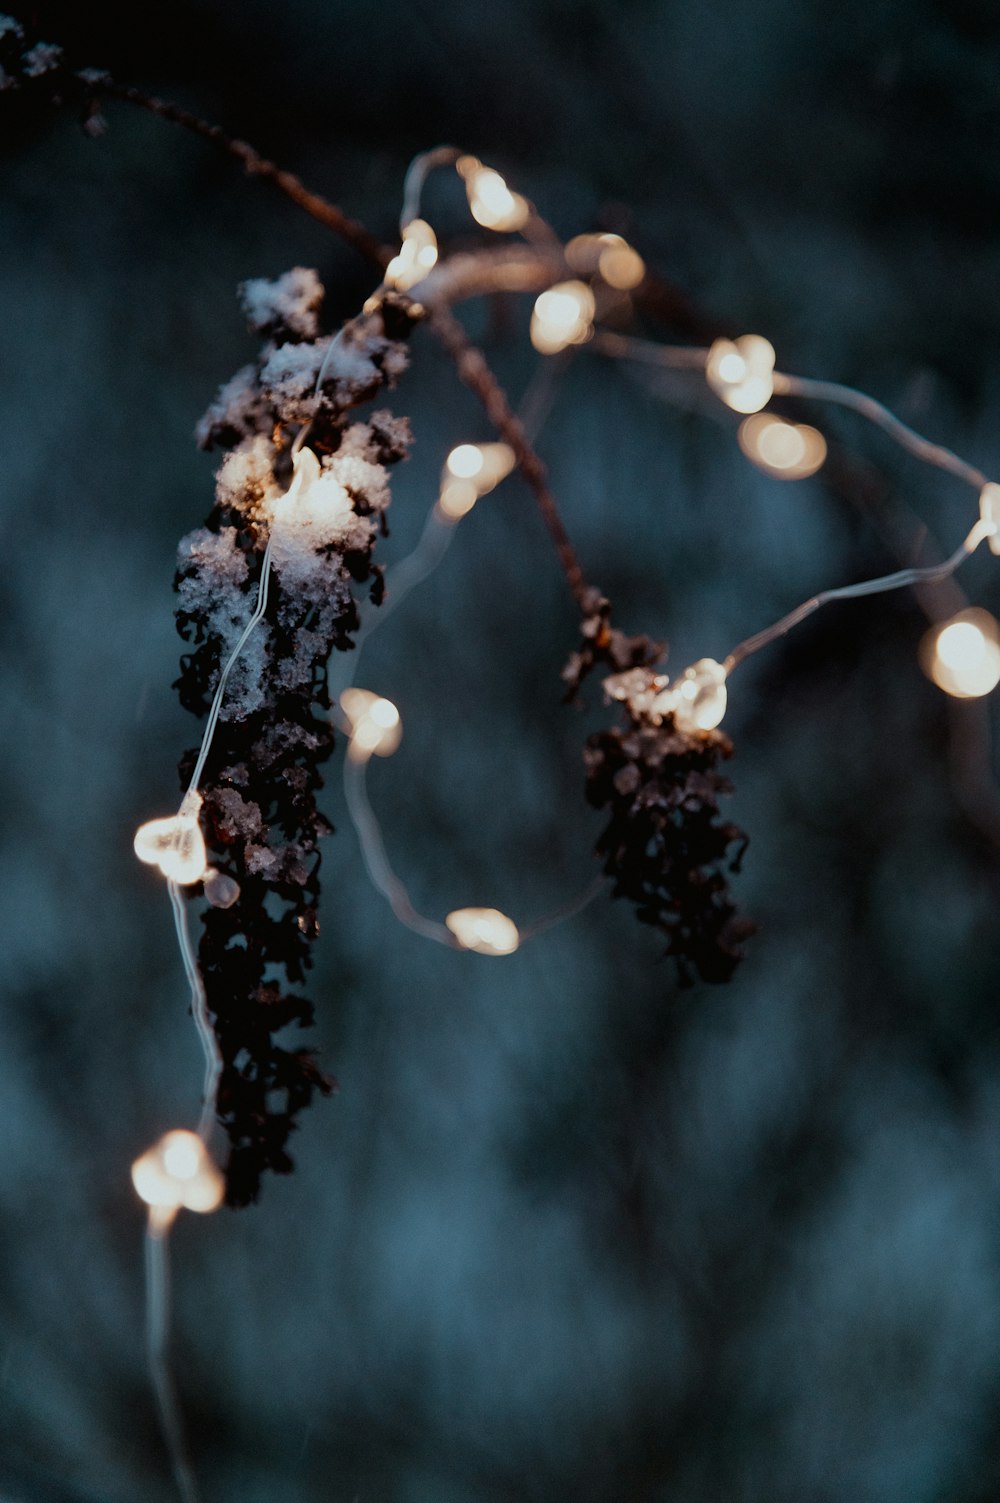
<point x="621" y="267"/>
<point x="698" y="699"/>
<point x="741" y="372"/>
<point x="465" y="462"/>
<point x="487" y="931"/>
<point x="563" y="315"/>
<point x="611" y="257"/>
<point x="491" y="202"/>
<point x="788" y="451"/>
<point x="375" y="725"/>
<point x="963" y="656"/>
<point x="989" y="512"/>
<point x="472" y="471"/>
<point x="178" y="1173"/>
<point x="176" y="845"/>
<point x="417" y="255"/>
<point x="315" y="497"/>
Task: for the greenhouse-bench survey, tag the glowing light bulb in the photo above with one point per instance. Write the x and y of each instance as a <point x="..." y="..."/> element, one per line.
<point x="621" y="267"/>
<point x="485" y="930"/>
<point x="471" y="471"/>
<point x="306" y="471"/>
<point x="699" y="696"/>
<point x="375" y="726"/>
<point x="989" y="511"/>
<point x="741" y="372"/>
<point x="221" y="890"/>
<point x="465" y="461"/>
<point x="417" y="254"/>
<point x="176" y="845"/>
<point x="178" y="1172"/>
<point x="963" y="656"/>
<point x="563" y="315"/>
<point x="788" y="451"/>
<point x="457" y="498"/>
<point x="491" y="202"/>
<point x="498" y="461"/>
<point x="315" y="499"/>
<point x="611" y="257"/>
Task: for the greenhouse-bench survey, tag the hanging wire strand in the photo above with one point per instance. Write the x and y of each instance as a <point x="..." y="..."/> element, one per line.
<point x="199" y="1011"/>
<point x="400" y="581"/>
<point x="157" y="1266"/>
<point x="684" y="357"/>
<point x="220" y="690"/>
<point x="377" y="862"/>
<point x="877" y="413"/>
<point x="417" y="174"/>
<point x="898" y="581"/>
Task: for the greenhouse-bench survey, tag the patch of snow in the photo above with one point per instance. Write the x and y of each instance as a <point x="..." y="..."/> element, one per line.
<point x="238" y="406"/>
<point x="42" y="58"/>
<point x="246" y="477"/>
<point x="289" y="303"/>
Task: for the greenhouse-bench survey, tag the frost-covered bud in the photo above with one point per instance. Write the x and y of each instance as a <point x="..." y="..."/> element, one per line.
<point x="285" y="308"/>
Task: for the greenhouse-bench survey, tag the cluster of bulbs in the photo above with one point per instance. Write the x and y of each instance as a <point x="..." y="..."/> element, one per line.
<point x="177" y="1173"/>
<point x="961" y="656"/>
<point x="470" y="472"/>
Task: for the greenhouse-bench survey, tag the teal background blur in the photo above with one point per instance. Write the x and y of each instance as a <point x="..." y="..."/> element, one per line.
<point x="566" y="1234"/>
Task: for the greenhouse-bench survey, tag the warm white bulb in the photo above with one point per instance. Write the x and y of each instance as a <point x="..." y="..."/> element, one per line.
<point x="176" y="845"/>
<point x="698" y="699"/>
<point x="608" y="256"/>
<point x="178" y="1172"/>
<point x="375" y="725"/>
<point x="741" y="372"/>
<point x="491" y="202"/>
<point x="989" y="511"/>
<point x="788" y="451"/>
<point x="963" y="656"/>
<point x="620" y="266"/>
<point x="417" y="254"/>
<point x="487" y="931"/>
<point x="563" y="315"/>
<point x="457" y="499"/>
<point x="471" y="471"/>
<point x="465" y="461"/>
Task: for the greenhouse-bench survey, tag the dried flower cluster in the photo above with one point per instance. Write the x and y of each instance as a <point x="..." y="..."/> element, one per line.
<point x="665" y="845"/>
<point x="260" y="817"/>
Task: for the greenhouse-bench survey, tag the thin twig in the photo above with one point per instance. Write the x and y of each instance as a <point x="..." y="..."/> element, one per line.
<point x="253" y="163"/>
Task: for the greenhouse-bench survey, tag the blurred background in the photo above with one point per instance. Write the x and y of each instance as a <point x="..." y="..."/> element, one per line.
<point x="566" y="1232"/>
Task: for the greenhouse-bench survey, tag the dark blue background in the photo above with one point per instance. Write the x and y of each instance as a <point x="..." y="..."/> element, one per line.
<point x="566" y="1233"/>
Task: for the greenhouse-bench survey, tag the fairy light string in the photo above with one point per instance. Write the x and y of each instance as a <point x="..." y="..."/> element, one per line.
<point x="575" y="285"/>
<point x="741" y="372"/>
<point x="373" y="725"/>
